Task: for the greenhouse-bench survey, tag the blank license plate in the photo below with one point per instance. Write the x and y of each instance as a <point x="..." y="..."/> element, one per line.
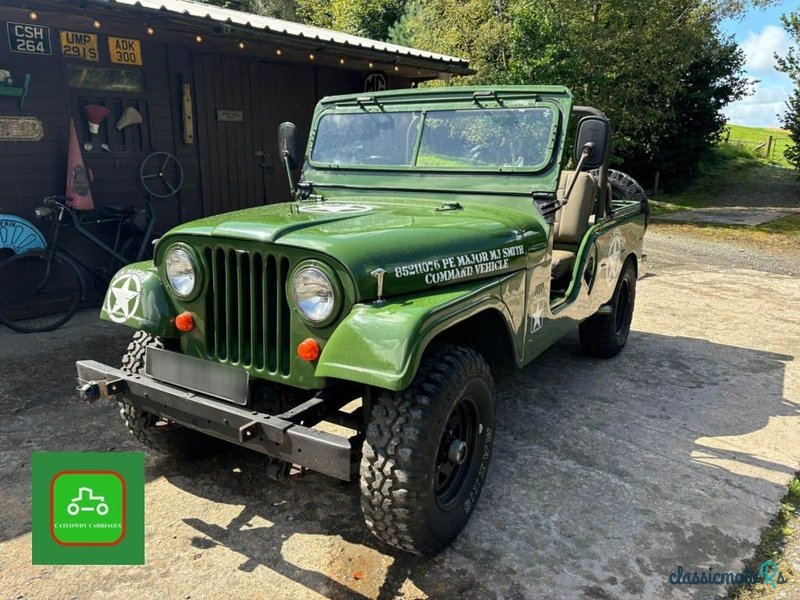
<point x="202" y="376"/>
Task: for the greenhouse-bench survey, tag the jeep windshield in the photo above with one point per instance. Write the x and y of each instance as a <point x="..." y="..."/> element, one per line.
<point x="466" y="139"/>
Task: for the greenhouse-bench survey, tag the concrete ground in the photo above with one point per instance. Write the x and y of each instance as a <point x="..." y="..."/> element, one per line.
<point x="606" y="475"/>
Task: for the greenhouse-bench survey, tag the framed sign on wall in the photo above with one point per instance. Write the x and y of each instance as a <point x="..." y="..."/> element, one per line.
<point x="125" y="51"/>
<point x="75" y="44"/>
<point x="25" y="38"/>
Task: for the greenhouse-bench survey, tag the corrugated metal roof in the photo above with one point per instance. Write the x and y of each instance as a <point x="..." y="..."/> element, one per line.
<point x="200" y="10"/>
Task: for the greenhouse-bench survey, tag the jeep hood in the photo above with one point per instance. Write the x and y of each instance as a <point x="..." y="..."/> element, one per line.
<point x="420" y="243"/>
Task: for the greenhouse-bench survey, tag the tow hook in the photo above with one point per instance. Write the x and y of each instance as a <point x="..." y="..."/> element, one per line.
<point x="92" y="391"/>
<point x="89" y="392"/>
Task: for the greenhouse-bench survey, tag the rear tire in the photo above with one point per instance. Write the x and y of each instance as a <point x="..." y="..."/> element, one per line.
<point x="32" y="299"/>
<point x="427" y="452"/>
<point x="151" y="430"/>
<point x="605" y="335"/>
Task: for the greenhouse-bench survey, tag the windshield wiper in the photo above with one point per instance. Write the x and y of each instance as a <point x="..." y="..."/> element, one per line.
<point x="362" y="100"/>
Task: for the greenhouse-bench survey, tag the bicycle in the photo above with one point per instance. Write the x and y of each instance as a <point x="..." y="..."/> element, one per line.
<point x="41" y="289"/>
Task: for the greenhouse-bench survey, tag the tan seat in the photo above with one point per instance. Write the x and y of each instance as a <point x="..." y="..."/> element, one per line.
<point x="562" y="263"/>
<point x="572" y="221"/>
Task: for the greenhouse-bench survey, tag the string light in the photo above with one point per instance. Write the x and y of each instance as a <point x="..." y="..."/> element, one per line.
<point x="33" y="15"/>
<point x="241" y="45"/>
<point x="278" y="51"/>
<point x="341" y="61"/>
<point x="96" y="24"/>
<point x="311" y="56"/>
<point x="198" y="38"/>
<point x="396" y="68"/>
<point x="150" y="31"/>
<point x="371" y="65"/>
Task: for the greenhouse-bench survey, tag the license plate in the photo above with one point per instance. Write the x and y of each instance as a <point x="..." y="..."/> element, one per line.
<point x="202" y="376"/>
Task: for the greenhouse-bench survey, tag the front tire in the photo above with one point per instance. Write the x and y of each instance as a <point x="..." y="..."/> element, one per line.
<point x="427" y="452"/>
<point x="605" y="335"/>
<point x="154" y="432"/>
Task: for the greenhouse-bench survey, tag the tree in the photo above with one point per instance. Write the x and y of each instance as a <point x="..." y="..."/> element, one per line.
<point x="280" y="9"/>
<point x="659" y="68"/>
<point x="790" y="64"/>
<point x="368" y="18"/>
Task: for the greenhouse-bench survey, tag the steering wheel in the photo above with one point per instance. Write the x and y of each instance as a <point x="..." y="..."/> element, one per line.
<point x="161" y="174"/>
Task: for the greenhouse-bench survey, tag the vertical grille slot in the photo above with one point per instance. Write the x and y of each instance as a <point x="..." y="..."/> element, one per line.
<point x="247" y="314"/>
<point x="270" y="333"/>
<point x="282" y="308"/>
<point x="232" y="290"/>
<point x="257" y="309"/>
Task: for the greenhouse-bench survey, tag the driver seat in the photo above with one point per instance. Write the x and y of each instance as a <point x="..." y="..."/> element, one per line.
<point x="571" y="221"/>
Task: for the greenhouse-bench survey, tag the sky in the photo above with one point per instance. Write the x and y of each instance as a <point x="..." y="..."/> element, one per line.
<point x="761" y="34"/>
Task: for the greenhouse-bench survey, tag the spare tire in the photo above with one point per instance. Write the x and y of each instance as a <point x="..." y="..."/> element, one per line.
<point x="625" y="187"/>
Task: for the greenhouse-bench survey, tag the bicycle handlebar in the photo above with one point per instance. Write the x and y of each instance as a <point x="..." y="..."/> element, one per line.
<point x="57" y="201"/>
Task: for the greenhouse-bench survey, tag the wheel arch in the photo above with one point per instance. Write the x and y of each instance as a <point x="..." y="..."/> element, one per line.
<point x="382" y="346"/>
<point x="633" y="258"/>
<point x="496" y="349"/>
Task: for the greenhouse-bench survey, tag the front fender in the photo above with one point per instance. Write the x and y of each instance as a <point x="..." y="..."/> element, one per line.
<point x="137" y="298"/>
<point x="381" y="344"/>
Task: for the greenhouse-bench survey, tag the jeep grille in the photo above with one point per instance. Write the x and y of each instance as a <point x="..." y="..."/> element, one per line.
<point x="246" y="309"/>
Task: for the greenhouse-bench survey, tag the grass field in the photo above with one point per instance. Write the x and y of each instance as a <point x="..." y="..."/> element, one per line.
<point x="757" y="138"/>
<point x="725" y="162"/>
<point x="729" y="175"/>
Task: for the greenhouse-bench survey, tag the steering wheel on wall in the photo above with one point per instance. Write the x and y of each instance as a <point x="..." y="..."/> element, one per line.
<point x="161" y="174"/>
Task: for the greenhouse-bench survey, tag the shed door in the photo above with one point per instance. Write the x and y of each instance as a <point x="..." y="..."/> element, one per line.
<point x="240" y="103"/>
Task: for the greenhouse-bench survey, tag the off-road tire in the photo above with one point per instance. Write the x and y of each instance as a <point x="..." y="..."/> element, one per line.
<point x="605" y="335"/>
<point x="152" y="431"/>
<point x="403" y="439"/>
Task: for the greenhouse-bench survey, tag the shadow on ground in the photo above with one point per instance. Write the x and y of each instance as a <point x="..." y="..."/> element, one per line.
<point x="606" y="475"/>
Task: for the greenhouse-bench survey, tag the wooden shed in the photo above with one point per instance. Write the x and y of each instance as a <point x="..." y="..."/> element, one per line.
<point x="211" y="86"/>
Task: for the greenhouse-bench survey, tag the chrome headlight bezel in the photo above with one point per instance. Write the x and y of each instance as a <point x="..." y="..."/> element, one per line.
<point x="323" y="273"/>
<point x="194" y="264"/>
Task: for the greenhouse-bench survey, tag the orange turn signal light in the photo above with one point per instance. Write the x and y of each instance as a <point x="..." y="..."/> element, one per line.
<point x="308" y="349"/>
<point x="184" y="321"/>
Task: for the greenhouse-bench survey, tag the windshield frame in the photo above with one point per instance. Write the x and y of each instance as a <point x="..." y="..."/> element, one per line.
<point x="555" y="127"/>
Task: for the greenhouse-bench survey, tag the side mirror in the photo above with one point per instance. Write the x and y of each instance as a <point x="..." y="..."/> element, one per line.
<point x="594" y="132"/>
<point x="287" y="144"/>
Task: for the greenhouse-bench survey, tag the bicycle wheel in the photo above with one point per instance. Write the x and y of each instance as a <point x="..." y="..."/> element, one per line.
<point x="36" y="298"/>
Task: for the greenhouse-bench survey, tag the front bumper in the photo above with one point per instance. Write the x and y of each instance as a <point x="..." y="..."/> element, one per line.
<point x="279" y="436"/>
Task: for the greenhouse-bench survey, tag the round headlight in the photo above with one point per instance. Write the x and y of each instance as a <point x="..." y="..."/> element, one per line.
<point x="313" y="294"/>
<point x="180" y="272"/>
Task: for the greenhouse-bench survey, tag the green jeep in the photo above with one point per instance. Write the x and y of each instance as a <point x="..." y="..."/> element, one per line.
<point x="348" y="331"/>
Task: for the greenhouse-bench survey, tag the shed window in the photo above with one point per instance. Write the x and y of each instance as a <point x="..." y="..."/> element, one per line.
<point x="111" y="80"/>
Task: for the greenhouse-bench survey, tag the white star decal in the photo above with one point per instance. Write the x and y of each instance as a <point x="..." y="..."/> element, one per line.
<point x="614" y="258"/>
<point x="537" y="316"/>
<point x="335" y="208"/>
<point x="122" y="299"/>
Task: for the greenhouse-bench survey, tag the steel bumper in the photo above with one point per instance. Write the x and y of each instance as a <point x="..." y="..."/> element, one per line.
<point x="276" y="436"/>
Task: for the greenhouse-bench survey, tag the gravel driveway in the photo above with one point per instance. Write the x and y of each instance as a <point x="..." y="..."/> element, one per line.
<point x="606" y="474"/>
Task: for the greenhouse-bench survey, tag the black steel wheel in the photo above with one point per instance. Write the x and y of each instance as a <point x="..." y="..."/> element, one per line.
<point x="456" y="451"/>
<point x="38" y="292"/>
<point x="427" y="451"/>
<point x="605" y="334"/>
